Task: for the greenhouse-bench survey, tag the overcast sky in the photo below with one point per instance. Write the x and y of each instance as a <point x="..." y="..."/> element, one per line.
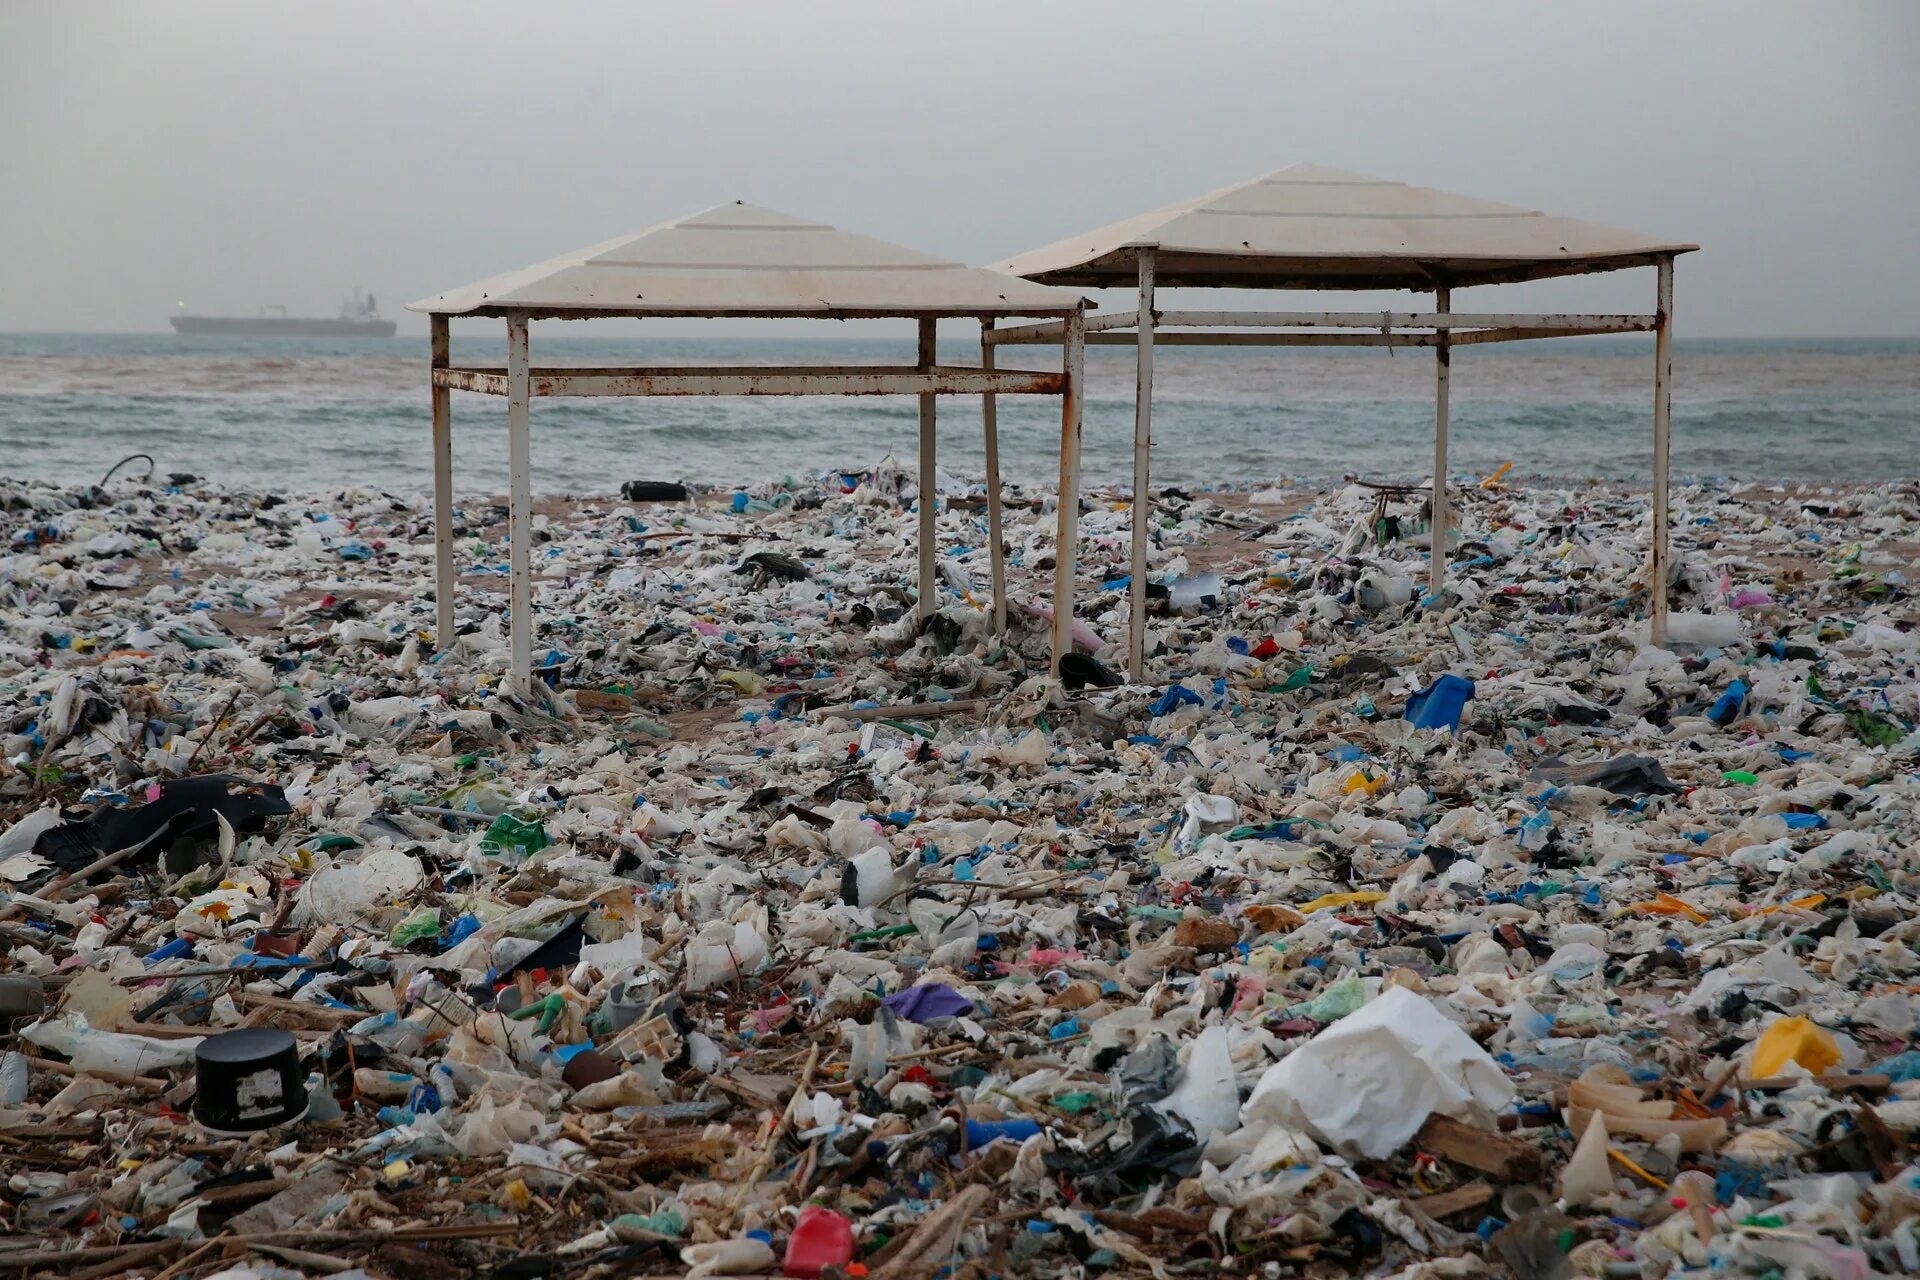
<point x="235" y="153"/>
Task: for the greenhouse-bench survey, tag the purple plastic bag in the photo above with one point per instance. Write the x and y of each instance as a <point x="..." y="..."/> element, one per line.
<point x="927" y="1002"/>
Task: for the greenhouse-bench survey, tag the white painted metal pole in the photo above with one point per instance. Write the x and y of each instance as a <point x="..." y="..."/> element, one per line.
<point x="443" y="579"/>
<point x="1660" y="568"/>
<point x="990" y="420"/>
<point x="929" y="531"/>
<point x="1442" y="379"/>
<point x="1067" y="533"/>
<point x="520" y="509"/>
<point x="1142" y="473"/>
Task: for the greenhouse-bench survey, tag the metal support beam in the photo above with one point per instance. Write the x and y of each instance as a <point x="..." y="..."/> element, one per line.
<point x="443" y="576"/>
<point x="990" y="422"/>
<point x="1166" y="337"/>
<point x="1073" y="356"/>
<point x="1142" y="514"/>
<point x="520" y="511"/>
<point x="821" y="380"/>
<point x="1053" y="331"/>
<point x="1442" y="377"/>
<point x="1659" y="570"/>
<point x="929" y="530"/>
<point x="1441" y="319"/>
<point x="1389" y="329"/>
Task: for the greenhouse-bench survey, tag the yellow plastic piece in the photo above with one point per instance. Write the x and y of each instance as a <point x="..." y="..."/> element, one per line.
<point x="1358" y="898"/>
<point x="1807" y="903"/>
<point x="1361" y="780"/>
<point x="1493" y="481"/>
<point x="1794" y="1040"/>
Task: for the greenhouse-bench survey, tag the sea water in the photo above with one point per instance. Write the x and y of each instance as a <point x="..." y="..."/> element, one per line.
<point x="319" y="413"/>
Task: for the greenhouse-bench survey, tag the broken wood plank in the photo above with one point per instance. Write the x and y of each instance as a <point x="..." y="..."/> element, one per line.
<point x="1508" y="1159"/>
<point x="1445" y="1204"/>
<point x="243" y="1193"/>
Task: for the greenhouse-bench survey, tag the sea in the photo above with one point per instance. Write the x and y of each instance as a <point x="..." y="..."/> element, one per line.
<point x="318" y="414"/>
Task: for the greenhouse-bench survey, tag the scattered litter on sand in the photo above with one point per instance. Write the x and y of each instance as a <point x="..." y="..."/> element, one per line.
<point x="1379" y="932"/>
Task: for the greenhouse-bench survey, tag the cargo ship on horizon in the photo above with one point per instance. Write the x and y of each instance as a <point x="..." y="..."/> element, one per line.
<point x="358" y="318"/>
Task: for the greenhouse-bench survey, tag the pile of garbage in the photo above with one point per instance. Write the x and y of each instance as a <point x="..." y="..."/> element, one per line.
<point x="1381" y="930"/>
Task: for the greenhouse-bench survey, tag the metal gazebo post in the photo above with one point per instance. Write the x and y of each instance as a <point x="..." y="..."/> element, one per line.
<point x="990" y="424"/>
<point x="1142" y="465"/>
<point x="1442" y="379"/>
<point x="1067" y="532"/>
<point x="443" y="579"/>
<point x="929" y="531"/>
<point x="519" y="504"/>
<point x="1660" y="567"/>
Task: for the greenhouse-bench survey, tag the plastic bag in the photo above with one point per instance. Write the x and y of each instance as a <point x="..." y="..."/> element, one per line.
<point x="1368" y="1082"/>
<point x="351" y="890"/>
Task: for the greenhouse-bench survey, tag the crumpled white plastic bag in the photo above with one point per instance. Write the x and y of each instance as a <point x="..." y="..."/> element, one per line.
<point x="1368" y="1082"/>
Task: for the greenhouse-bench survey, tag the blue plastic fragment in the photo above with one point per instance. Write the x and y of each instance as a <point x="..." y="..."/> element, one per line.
<point x="1438" y="706"/>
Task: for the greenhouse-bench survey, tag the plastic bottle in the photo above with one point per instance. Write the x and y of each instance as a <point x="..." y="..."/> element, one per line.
<point x="322" y="943"/>
<point x="821" y="1239"/>
<point x="15" y="1079"/>
<point x="172" y="950"/>
<point x="1535" y="831"/>
<point x="726" y="1257"/>
<point x="22" y="995"/>
<point x="981" y="1132"/>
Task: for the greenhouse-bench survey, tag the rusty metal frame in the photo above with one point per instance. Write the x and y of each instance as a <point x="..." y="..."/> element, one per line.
<point x="521" y="384"/>
<point x="1441" y="329"/>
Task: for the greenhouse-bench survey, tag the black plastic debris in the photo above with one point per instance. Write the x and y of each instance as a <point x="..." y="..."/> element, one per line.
<point x="1622" y="775"/>
<point x="181" y="821"/>
<point x="653" y="491"/>
<point x="774" y="564"/>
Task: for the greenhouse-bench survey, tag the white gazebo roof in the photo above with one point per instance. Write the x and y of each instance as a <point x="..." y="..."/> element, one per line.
<point x="741" y="260"/>
<point x="1308" y="227"/>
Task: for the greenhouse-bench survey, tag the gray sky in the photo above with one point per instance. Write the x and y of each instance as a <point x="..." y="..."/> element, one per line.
<point x="236" y="153"/>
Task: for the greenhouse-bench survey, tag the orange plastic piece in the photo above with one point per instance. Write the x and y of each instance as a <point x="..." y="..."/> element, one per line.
<point x="1668" y="905"/>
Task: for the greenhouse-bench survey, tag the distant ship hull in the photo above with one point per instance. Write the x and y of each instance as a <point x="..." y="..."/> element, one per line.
<point x="283" y="326"/>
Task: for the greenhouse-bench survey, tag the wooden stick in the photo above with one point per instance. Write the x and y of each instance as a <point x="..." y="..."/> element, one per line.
<point x="906" y="710"/>
<point x="772" y="1143"/>
<point x="187" y="1263"/>
<point x="213" y="731"/>
<point x="55" y="888"/>
<point x="936" y="1235"/>
<point x="111" y="1077"/>
<point x="325" y="1263"/>
<point x="130" y="1259"/>
<point x="114" y="1256"/>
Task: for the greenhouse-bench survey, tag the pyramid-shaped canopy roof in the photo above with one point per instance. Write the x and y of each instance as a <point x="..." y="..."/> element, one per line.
<point x="1307" y="227"/>
<point x="741" y="260"/>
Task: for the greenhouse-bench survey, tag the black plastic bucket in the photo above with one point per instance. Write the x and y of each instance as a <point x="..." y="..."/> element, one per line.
<point x="248" y="1080"/>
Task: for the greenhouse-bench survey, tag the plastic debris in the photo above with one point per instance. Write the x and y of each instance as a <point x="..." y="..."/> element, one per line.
<point x="1376" y="930"/>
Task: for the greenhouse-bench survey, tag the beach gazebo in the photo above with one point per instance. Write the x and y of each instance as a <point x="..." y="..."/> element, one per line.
<point x="1307" y="227"/>
<point x="740" y="260"/>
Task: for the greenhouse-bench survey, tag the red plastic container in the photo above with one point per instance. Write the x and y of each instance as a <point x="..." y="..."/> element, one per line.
<point x="821" y="1239"/>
